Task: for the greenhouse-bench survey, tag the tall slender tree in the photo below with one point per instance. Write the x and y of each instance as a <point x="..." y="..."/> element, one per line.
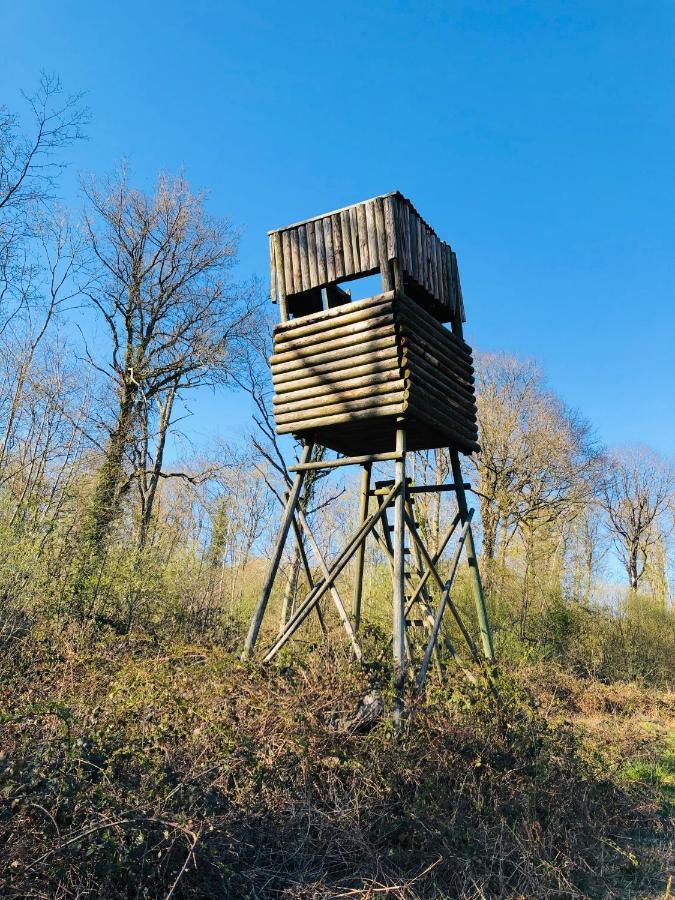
<point x="160" y="279"/>
<point x="638" y="494"/>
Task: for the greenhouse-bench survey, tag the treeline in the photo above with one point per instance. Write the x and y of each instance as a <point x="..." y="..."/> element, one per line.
<point x="112" y="316"/>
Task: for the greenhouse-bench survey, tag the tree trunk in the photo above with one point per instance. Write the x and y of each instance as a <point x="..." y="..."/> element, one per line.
<point x="490" y="521"/>
<point x="527" y="582"/>
<point x="148" y="500"/>
<point x="105" y="504"/>
<point x="632" y="568"/>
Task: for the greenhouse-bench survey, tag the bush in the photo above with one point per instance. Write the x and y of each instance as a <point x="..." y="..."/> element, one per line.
<point x="128" y="771"/>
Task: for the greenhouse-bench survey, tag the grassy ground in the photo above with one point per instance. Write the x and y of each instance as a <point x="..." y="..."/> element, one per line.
<point x="144" y="771"/>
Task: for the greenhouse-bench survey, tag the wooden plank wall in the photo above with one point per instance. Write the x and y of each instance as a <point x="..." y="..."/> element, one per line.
<point x="365" y="362"/>
<point x="361" y="240"/>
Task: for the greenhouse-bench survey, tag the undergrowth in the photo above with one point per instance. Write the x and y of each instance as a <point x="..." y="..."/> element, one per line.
<point x="133" y="770"/>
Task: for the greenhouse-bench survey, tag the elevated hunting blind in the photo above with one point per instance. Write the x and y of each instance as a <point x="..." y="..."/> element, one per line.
<point x="373" y="379"/>
<point x="347" y="374"/>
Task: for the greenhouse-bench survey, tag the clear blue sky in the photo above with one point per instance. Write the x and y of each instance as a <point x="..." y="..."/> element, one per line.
<point x="537" y="138"/>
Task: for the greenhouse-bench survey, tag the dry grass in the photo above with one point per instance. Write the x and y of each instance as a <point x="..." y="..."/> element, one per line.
<point x="133" y="771"/>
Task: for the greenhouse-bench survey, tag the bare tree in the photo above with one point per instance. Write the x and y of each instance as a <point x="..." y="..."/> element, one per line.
<point x="240" y="514"/>
<point x="587" y="545"/>
<point x="160" y="280"/>
<point x="536" y="470"/>
<point x="38" y="260"/>
<point x="29" y="168"/>
<point x="56" y="255"/>
<point x="538" y="460"/>
<point x="430" y="467"/>
<point x="637" y="496"/>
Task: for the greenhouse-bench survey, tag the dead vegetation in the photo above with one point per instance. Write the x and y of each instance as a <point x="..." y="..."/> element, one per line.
<point x="133" y="771"/>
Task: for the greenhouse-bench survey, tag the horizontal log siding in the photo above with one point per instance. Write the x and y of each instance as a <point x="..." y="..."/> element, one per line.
<point x="381" y="360"/>
<point x="345" y="381"/>
<point x="367" y="365"/>
<point x="338" y="394"/>
<point x="365" y="415"/>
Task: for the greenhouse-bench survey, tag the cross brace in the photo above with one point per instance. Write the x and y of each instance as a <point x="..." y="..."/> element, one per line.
<point x="391" y="540"/>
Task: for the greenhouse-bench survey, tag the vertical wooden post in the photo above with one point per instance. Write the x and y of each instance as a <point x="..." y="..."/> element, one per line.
<point x="424" y="592"/>
<point x="291" y="503"/>
<point x="381" y="239"/>
<point x="398" y="617"/>
<point x="479" y="596"/>
<point x="278" y="255"/>
<point x="398" y="277"/>
<point x="361" y="552"/>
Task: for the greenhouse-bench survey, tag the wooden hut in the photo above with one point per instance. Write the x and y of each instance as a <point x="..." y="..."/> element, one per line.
<point x="348" y="374"/>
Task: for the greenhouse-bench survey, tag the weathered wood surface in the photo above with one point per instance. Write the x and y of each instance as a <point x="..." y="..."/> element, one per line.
<point x="296" y="277"/>
<point x="304" y="258"/>
<point x="338" y="330"/>
<point x="311" y="424"/>
<point x="331" y="351"/>
<point x="343" y="383"/>
<point x="360" y="240"/>
<point x="368" y="367"/>
<point x="346" y="377"/>
<point x="308" y="324"/>
<point x="332" y="395"/>
<point x="293" y="414"/>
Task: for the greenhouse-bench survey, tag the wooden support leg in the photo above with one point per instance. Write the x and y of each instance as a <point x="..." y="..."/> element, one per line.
<point x="291" y="504"/>
<point x="337" y="566"/>
<point x="361" y="552"/>
<point x="398" y="616"/>
<point x="479" y="596"/>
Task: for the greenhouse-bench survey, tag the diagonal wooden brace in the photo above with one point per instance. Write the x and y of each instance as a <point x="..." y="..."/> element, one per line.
<point x="472" y="559"/>
<point x="385" y="545"/>
<point x="435" y="558"/>
<point x="441" y="584"/>
<point x="344" y="618"/>
<point x="445" y="598"/>
<point x="418" y="556"/>
<point x="291" y="504"/>
<point x="308" y="571"/>
<point x="338" y="565"/>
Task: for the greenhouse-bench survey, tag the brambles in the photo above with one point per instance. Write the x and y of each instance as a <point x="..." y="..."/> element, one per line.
<point x="126" y="771"/>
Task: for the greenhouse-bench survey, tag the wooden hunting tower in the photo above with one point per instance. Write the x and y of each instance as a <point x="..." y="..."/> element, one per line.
<point x="373" y="379"/>
<point x="346" y="375"/>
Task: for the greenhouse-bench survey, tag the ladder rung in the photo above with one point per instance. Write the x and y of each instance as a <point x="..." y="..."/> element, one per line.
<point x="389" y="482"/>
<point x="381" y="492"/>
